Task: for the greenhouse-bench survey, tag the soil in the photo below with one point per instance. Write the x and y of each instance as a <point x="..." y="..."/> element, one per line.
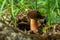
<point x="23" y="28"/>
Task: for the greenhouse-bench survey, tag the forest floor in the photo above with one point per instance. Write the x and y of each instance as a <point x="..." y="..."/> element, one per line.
<point x="21" y="32"/>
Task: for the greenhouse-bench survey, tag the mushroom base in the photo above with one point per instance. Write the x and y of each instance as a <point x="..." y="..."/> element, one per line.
<point x="33" y="25"/>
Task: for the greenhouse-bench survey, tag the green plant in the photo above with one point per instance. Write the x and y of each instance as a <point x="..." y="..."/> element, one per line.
<point x="49" y="8"/>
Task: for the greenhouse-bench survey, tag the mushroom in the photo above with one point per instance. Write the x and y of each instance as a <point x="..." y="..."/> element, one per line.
<point x="34" y="16"/>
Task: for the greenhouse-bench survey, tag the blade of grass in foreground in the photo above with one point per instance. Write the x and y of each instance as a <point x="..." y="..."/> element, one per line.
<point x="2" y="6"/>
<point x="12" y="13"/>
<point x="36" y="4"/>
<point x="1" y="14"/>
<point x="57" y="7"/>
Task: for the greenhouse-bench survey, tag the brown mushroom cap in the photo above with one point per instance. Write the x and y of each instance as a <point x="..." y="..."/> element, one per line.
<point x="35" y="15"/>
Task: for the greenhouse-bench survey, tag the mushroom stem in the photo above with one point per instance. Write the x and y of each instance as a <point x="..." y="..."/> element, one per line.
<point x="33" y="25"/>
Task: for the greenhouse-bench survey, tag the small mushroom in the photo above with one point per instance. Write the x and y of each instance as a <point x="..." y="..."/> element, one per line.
<point x="34" y="16"/>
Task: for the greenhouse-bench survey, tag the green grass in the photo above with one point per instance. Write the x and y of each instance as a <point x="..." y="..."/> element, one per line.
<point x="50" y="8"/>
